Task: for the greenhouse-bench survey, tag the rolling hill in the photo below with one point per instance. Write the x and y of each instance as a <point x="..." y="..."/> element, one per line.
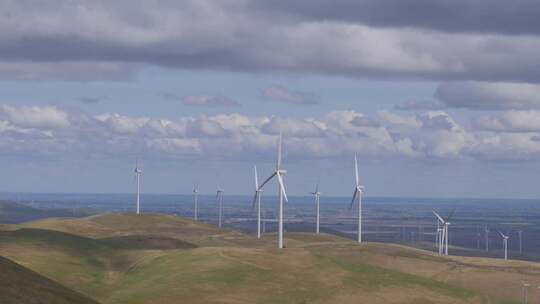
<point x="23" y="286"/>
<point x="124" y="258"/>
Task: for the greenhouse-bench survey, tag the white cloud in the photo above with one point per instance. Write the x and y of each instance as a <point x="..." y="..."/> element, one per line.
<point x="57" y="133"/>
<point x="49" y="117"/>
<point x="511" y="121"/>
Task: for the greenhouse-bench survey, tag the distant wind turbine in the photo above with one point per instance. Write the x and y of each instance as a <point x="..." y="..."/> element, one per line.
<point x="257" y="199"/>
<point x="505" y="244"/>
<point x="196" y="202"/>
<point x="138" y="173"/>
<point x="278" y="173"/>
<point x="358" y="192"/>
<point x="219" y="200"/>
<point x="443" y="240"/>
<point x="317" y="196"/>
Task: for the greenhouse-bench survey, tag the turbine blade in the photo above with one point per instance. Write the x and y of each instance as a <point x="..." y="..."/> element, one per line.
<point x="255" y="199"/>
<point x="267" y="180"/>
<point x="280" y="180"/>
<point x="256" y="178"/>
<point x="353" y="198"/>
<point x="356" y="169"/>
<point x="504" y="236"/>
<point x="451" y="215"/>
<point x="438" y="216"/>
<point x="317" y="186"/>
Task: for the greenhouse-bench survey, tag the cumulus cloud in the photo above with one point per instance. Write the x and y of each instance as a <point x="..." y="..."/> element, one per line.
<point x="511" y="121"/>
<point x="58" y="133"/>
<point x="209" y="101"/>
<point x="114" y="38"/>
<point x="282" y="94"/>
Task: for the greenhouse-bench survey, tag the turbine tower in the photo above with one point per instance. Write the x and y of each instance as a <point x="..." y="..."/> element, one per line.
<point x="317" y="196"/>
<point x="505" y="244"/>
<point x="358" y="192"/>
<point x="520" y="235"/>
<point x="138" y="173"/>
<point x="196" y="202"/>
<point x="486" y="232"/>
<point x="278" y="173"/>
<point x="219" y="200"/>
<point x="438" y="237"/>
<point x="257" y="199"/>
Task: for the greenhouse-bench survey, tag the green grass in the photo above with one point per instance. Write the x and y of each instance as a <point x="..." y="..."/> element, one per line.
<point x="23" y="286"/>
<point x="371" y="277"/>
<point x="156" y="264"/>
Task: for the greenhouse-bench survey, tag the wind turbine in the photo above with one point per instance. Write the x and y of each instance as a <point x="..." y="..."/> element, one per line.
<point x="358" y="192"/>
<point x="138" y="173"/>
<point x="219" y="200"/>
<point x="196" y="202"/>
<point x="278" y="173"/>
<point x="257" y="199"/>
<point x="486" y="231"/>
<point x="505" y="244"/>
<point x="317" y="196"/>
<point x="444" y="233"/>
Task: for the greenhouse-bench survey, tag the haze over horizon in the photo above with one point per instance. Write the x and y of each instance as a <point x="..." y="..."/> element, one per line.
<point x="438" y="98"/>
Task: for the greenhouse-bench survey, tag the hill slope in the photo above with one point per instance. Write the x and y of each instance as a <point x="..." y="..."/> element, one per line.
<point x="23" y="286"/>
<point x="120" y="258"/>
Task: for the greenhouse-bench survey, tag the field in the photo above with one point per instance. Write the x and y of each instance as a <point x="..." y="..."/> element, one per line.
<point x="124" y="258"/>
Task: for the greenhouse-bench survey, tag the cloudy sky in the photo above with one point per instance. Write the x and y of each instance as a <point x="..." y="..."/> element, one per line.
<point x="439" y="98"/>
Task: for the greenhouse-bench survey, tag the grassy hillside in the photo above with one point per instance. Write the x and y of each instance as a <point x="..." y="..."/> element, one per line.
<point x="119" y="258"/>
<point x="23" y="286"/>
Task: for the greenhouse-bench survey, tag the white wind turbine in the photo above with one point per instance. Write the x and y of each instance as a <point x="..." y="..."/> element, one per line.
<point x="317" y="196"/>
<point x="505" y="244"/>
<point x="278" y="173"/>
<point x="138" y="173"/>
<point x="443" y="239"/>
<point x="358" y="192"/>
<point x="219" y="200"/>
<point x="257" y="199"/>
<point x="196" y="202"/>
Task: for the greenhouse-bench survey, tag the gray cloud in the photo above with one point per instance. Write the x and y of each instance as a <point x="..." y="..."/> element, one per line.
<point x="247" y="36"/>
<point x="518" y="17"/>
<point x="419" y="105"/>
<point x="282" y="94"/>
<point x="489" y="96"/>
<point x="209" y="101"/>
<point x="92" y="100"/>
